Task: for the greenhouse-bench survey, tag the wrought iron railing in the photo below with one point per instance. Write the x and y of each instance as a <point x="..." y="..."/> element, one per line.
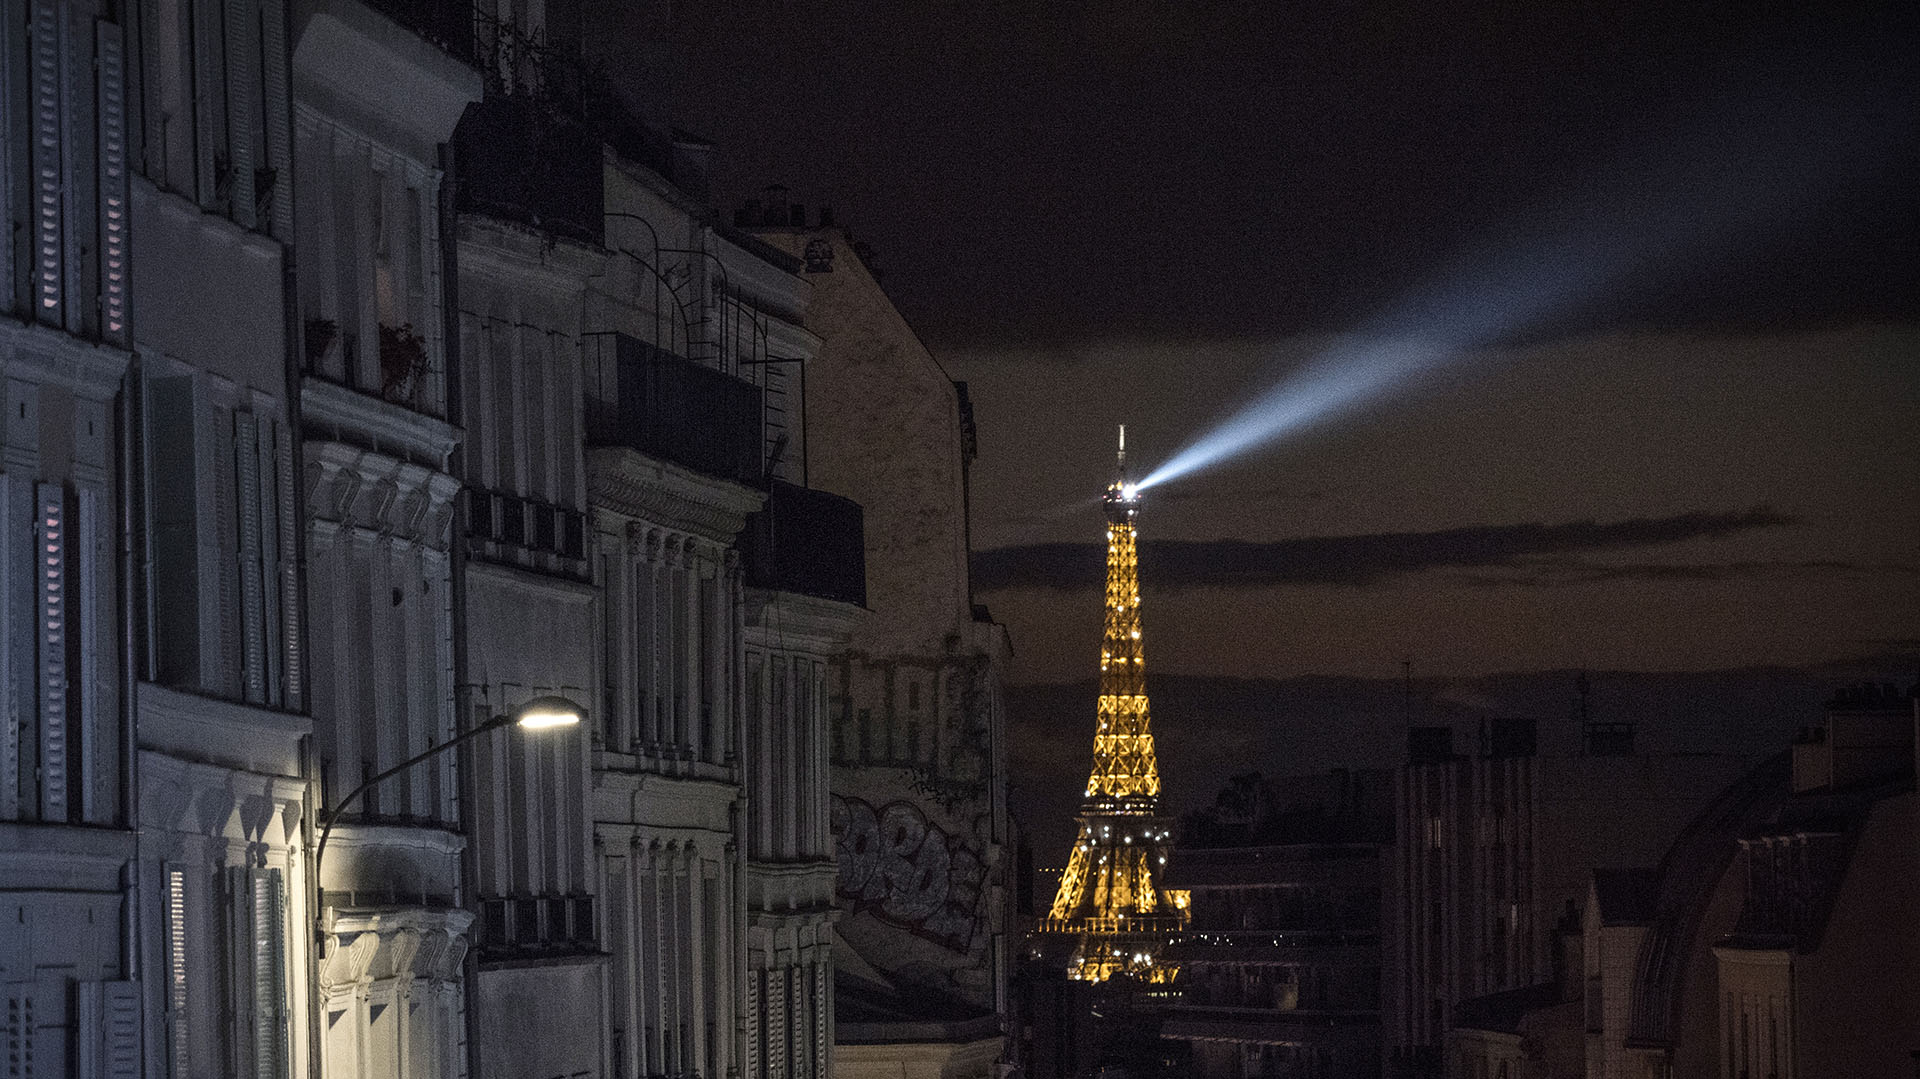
<point x="665" y="406"/>
<point x="809" y="542"/>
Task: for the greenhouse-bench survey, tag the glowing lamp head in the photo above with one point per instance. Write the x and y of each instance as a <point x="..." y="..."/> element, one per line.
<point x="543" y="712"/>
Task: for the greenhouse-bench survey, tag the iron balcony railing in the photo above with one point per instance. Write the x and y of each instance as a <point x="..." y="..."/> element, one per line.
<point x="520" y="161"/>
<point x="665" y="406"/>
<point x="809" y="542"/>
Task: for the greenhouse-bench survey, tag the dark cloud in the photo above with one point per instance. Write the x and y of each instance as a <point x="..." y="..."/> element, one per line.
<point x="1554" y="573"/>
<point x="1350" y="560"/>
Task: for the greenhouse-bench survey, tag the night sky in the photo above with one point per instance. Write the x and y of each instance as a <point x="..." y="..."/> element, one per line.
<point x="1662" y="257"/>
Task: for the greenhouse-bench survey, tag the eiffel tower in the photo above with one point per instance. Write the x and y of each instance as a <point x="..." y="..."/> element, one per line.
<point x="1111" y="904"/>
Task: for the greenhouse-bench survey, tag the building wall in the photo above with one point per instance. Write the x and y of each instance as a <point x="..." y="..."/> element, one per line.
<point x="918" y="727"/>
<point x="1856" y="1005"/>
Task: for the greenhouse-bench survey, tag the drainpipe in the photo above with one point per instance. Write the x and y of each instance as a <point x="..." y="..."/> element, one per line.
<point x="457" y="588"/>
<point x="736" y="662"/>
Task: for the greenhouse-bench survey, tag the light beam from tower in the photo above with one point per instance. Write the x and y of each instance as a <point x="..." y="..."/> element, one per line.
<point x="1111" y="901"/>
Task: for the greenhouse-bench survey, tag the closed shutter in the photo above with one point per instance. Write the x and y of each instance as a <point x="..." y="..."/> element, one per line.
<point x="21" y="1029"/>
<point x="292" y="644"/>
<point x="49" y="242"/>
<point x="115" y="258"/>
<point x="241" y="86"/>
<point x="225" y="675"/>
<point x="253" y="600"/>
<point x="78" y="127"/>
<point x="209" y="125"/>
<point x="50" y="533"/>
<point x="268" y="940"/>
<point x="279" y="134"/>
<point x="109" y="1038"/>
<point x="10" y="719"/>
<point x="179" y="1058"/>
<point x="267" y="470"/>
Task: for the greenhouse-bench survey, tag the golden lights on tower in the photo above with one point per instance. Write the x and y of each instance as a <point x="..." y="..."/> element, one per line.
<point x="1111" y="898"/>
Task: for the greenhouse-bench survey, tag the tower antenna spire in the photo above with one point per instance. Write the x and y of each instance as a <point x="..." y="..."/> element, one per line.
<point x="1122" y="456"/>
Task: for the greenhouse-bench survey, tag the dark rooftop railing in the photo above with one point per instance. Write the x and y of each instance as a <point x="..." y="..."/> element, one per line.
<point x="651" y="400"/>
<point x="519" y="161"/>
<point x="809" y="542"/>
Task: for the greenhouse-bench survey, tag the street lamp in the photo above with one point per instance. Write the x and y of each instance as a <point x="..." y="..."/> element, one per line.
<point x="540" y="713"/>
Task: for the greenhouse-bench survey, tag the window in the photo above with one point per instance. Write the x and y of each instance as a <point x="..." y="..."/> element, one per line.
<point x="219" y="525"/>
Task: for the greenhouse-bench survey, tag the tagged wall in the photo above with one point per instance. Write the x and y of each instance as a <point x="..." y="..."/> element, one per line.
<point x="908" y="871"/>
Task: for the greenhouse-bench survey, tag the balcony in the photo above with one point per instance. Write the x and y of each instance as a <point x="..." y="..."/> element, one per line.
<point x="519" y="161"/>
<point x="650" y="400"/>
<point x="519" y="926"/>
<point x="509" y="528"/>
<point x="809" y="542"/>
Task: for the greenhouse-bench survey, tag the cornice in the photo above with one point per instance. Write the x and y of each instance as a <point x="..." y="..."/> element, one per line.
<point x="795" y="621"/>
<point x="349" y="415"/>
<point x="632" y="484"/>
<point x="511" y="253"/>
<point x="44" y="355"/>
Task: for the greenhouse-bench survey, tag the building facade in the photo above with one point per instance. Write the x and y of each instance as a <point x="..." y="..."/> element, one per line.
<point x="1280" y="967"/>
<point x="917" y="732"/>
<point x="361" y="389"/>
<point x="1495" y="848"/>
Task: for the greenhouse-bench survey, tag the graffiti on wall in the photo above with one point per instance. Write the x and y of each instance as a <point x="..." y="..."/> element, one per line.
<point x="908" y="871"/>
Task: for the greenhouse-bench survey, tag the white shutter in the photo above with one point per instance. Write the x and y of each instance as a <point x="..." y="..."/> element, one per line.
<point x="50" y="531"/>
<point x="109" y="1041"/>
<point x="242" y="84"/>
<point x="224" y="676"/>
<point x="285" y="491"/>
<point x="267" y="497"/>
<point x="756" y="1026"/>
<point x="10" y="726"/>
<point x="273" y="72"/>
<point x="115" y="258"/>
<point x="253" y="601"/>
<point x="207" y="126"/>
<point x="78" y="128"/>
<point x="20" y="1026"/>
<point x="179" y="1058"/>
<point x="269" y="975"/>
<point x="85" y="545"/>
<point x="49" y="266"/>
<point x="777" y="1023"/>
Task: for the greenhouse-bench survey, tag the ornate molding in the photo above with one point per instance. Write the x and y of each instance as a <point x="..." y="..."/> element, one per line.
<point x="366" y="489"/>
<point x="657" y="492"/>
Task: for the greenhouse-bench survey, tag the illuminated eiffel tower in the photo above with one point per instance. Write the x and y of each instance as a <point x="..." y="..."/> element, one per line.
<point x="1111" y="903"/>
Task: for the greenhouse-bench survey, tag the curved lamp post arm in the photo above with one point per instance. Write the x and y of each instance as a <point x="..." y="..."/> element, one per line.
<point x="331" y="815"/>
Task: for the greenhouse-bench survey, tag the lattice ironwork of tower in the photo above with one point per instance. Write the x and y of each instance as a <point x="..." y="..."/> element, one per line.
<point x="1111" y="902"/>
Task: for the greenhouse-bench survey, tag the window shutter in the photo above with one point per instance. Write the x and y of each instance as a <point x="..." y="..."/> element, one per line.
<point x="269" y="975"/>
<point x="115" y="259"/>
<point x="79" y="124"/>
<point x="51" y="534"/>
<point x="238" y="1011"/>
<point x="95" y="801"/>
<point x="273" y="72"/>
<point x="109" y="1036"/>
<point x="253" y="601"/>
<point x="22" y="1028"/>
<point x="225" y="675"/>
<point x="292" y="648"/>
<point x="49" y="267"/>
<point x="242" y="84"/>
<point x="267" y="453"/>
<point x="10" y="718"/>
<point x="208" y="127"/>
<point x="179" y="1061"/>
